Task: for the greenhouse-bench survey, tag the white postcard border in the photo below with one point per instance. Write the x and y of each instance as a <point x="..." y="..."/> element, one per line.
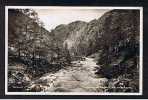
<point x="73" y="93"/>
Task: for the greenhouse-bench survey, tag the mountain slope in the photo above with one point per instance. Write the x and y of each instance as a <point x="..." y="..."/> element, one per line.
<point x="87" y="38"/>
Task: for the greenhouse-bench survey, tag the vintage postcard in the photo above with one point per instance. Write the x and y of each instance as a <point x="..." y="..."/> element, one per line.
<point x="55" y="50"/>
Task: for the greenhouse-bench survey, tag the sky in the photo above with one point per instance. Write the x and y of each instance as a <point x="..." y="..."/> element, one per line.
<point x="54" y="17"/>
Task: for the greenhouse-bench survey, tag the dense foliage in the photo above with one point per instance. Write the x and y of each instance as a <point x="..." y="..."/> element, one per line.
<point x="32" y="48"/>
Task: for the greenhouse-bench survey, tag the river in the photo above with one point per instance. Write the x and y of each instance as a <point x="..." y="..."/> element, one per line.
<point x="78" y="78"/>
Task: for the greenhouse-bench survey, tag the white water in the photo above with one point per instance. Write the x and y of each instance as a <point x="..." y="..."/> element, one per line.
<point x="80" y="78"/>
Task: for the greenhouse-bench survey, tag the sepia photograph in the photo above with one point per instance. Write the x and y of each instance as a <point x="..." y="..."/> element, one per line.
<point x="60" y="50"/>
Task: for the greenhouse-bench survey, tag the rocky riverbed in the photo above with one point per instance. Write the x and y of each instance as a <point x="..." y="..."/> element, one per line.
<point x="80" y="77"/>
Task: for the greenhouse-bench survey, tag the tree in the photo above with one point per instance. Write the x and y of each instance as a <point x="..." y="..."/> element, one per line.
<point x="67" y="54"/>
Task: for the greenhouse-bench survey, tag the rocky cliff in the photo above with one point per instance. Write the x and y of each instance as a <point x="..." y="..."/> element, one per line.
<point x="86" y="38"/>
<point x="114" y="38"/>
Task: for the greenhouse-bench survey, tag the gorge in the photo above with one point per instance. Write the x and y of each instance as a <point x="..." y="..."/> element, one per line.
<point x="105" y="49"/>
